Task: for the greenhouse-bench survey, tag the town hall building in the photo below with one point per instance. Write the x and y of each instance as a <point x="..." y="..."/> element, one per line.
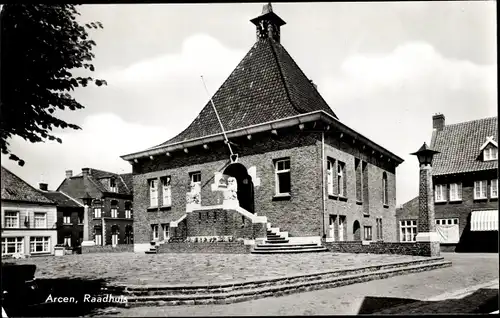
<point x="265" y="161"/>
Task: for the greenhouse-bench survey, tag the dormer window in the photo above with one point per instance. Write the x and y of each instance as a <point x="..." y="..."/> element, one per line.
<point x="112" y="185"/>
<point x="490" y="149"/>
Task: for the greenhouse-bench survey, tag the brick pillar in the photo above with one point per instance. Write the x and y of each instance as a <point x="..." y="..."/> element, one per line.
<point x="427" y="236"/>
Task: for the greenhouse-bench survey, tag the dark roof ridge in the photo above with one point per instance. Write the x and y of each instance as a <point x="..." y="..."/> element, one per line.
<point x="124" y="183"/>
<point x="29" y="185"/>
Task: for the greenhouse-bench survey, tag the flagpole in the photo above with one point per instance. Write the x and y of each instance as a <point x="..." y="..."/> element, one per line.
<point x="218" y="118"/>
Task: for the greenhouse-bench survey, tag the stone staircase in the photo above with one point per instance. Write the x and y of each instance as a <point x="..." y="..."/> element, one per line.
<point x="278" y="243"/>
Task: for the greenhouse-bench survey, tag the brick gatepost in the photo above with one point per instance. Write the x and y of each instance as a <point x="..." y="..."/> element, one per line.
<point x="427" y="237"/>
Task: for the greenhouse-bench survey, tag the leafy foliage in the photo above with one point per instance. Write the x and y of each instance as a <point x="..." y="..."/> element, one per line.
<point x="41" y="44"/>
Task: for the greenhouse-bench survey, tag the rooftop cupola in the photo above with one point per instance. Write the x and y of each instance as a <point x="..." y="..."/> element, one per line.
<point x="268" y="24"/>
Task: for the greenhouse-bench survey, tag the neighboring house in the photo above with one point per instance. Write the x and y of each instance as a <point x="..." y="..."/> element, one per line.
<point x="298" y="167"/>
<point x="70" y="215"/>
<point x="28" y="218"/>
<point x="465" y="178"/>
<point x="110" y="195"/>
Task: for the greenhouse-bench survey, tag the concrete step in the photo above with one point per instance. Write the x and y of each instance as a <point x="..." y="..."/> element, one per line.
<point x="281" y="241"/>
<point x="271" y="247"/>
<point x="269" y="289"/>
<point x="291" y="250"/>
<point x="286" y="244"/>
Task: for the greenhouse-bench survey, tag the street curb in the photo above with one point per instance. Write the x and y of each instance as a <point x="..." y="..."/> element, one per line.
<point x="464" y="291"/>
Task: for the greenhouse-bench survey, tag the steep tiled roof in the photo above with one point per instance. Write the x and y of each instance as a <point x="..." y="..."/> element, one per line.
<point x="127" y="179"/>
<point x="266" y="85"/>
<point x="16" y="189"/>
<point x="61" y="199"/>
<point x="459" y="146"/>
<point x="100" y="179"/>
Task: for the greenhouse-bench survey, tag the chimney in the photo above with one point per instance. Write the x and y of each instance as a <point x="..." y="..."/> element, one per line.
<point x="438" y="122"/>
<point x="85" y="171"/>
<point x="43" y="186"/>
<point x="69" y="174"/>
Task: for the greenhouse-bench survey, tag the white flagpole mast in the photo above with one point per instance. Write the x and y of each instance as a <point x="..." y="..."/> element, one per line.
<point x="218" y="118"/>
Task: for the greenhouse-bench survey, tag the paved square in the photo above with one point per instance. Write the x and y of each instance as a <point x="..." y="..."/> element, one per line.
<point x="188" y="269"/>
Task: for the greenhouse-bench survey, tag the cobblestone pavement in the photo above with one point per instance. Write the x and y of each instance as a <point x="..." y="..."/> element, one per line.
<point x="133" y="268"/>
<point x="467" y="270"/>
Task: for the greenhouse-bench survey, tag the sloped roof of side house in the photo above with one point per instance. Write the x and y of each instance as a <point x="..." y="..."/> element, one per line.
<point x="16" y="189"/>
<point x="460" y="146"/>
<point x="62" y="200"/>
<point x="100" y="177"/>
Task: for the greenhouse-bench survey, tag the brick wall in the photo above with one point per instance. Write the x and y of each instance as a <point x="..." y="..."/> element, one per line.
<point x="219" y="222"/>
<point x="108" y="249"/>
<point x="413" y="248"/>
<point x="74" y="229"/>
<point x="211" y="248"/>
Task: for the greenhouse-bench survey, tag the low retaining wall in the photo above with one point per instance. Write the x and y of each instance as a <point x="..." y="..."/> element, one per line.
<point x="210" y="248"/>
<point x="108" y="248"/>
<point x="406" y="248"/>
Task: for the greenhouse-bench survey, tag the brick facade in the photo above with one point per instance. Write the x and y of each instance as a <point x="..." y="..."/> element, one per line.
<point x="300" y="215"/>
<point x="74" y="229"/>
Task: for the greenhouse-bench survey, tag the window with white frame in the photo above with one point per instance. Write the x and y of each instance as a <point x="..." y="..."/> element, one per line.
<point x="494" y="188"/>
<point x="341" y="184"/>
<point x="12" y="245"/>
<point x="97" y="209"/>
<point x="112" y="185"/>
<point x="98" y="239"/>
<point x="330" y="164"/>
<point x="40" y="220"/>
<point x="114" y="208"/>
<point x="447" y="221"/>
<point x="368" y="233"/>
<point x="166" y="191"/>
<point x="440" y="193"/>
<point x="448" y="230"/>
<point x="480" y="189"/>
<point x="195" y="177"/>
<point x="154" y="229"/>
<point x="408" y="230"/>
<point x="11" y="219"/>
<point x="128" y="210"/>
<point x="490" y="153"/>
<point x="39" y="244"/>
<point x="66" y="218"/>
<point x="67" y="241"/>
<point x="455" y="191"/>
<point x="166" y="232"/>
<point x="282" y="175"/>
<point x="153" y="192"/>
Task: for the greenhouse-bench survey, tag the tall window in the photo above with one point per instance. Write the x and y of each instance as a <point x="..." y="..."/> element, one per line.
<point x="379" y="229"/>
<point x="359" y="180"/>
<point x="385" y="189"/>
<point x="330" y="164"/>
<point x="97" y="209"/>
<point x="440" y="193"/>
<point x="128" y="210"/>
<point x="490" y="153"/>
<point x="341" y="184"/>
<point x="11" y="219"/>
<point x="66" y="218"/>
<point x="283" y="179"/>
<point x="114" y="208"/>
<point x="40" y="220"/>
<point x="166" y="232"/>
<point x="114" y="235"/>
<point x="39" y="244"/>
<point x="195" y="178"/>
<point x="167" y="192"/>
<point x="98" y="239"/>
<point x="80" y="218"/>
<point x="494" y="188"/>
<point x="408" y="230"/>
<point x="368" y="233"/>
<point x="154" y="229"/>
<point x="67" y="240"/>
<point x="455" y="191"/>
<point x="480" y="189"/>
<point x="112" y="185"/>
<point x="11" y="245"/>
<point x="153" y="192"/>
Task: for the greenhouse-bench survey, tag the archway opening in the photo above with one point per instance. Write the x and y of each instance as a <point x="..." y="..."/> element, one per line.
<point x="356" y="231"/>
<point x="245" y="191"/>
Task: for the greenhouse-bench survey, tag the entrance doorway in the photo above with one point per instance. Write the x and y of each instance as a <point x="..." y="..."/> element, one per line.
<point x="245" y="192"/>
<point x="356" y="230"/>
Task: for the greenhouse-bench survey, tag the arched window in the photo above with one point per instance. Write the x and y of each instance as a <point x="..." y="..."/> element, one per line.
<point x="114" y="208"/>
<point x="385" y="189"/>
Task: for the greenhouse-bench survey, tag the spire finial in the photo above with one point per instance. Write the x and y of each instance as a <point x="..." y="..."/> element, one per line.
<point x="267" y="8"/>
<point x="268" y="24"/>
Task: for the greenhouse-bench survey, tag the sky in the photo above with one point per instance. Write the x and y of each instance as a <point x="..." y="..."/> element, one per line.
<point x="385" y="68"/>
